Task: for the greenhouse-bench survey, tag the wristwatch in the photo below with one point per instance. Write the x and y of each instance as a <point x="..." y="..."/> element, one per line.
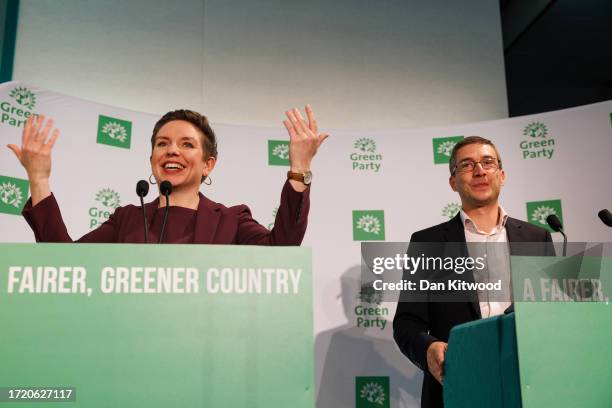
<point x="305" y="177"/>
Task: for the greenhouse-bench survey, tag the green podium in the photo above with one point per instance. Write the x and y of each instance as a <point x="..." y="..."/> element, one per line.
<point x="555" y="350"/>
<point x="157" y="326"/>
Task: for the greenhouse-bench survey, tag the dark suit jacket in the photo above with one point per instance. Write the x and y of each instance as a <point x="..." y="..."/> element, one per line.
<point x="418" y="324"/>
<point x="215" y="223"/>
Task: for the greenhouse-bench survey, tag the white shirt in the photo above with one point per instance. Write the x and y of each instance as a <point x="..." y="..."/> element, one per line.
<point x="497" y="260"/>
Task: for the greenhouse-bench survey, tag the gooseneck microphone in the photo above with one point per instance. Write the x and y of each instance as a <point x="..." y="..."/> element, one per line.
<point x="555" y="223"/>
<point x="606" y="216"/>
<point x="142" y="189"/>
<point x="165" y="187"/>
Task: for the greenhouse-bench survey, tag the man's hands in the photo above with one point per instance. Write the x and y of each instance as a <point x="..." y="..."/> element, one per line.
<point x="435" y="359"/>
<point x="35" y="154"/>
<point x="304" y="140"/>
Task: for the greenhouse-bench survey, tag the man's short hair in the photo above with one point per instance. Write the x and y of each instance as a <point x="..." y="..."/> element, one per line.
<point x="468" y="141"/>
<point x="209" y="140"/>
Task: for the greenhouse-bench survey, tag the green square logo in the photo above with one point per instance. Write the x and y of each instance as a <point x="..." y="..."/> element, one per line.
<point x="372" y="392"/>
<point x="369" y="225"/>
<point x="278" y="152"/>
<point x="443" y="147"/>
<point x="13" y="194"/>
<point x="114" y="132"/>
<point x="537" y="211"/>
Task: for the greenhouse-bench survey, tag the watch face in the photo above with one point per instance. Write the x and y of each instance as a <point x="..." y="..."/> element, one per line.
<point x="307" y="177"/>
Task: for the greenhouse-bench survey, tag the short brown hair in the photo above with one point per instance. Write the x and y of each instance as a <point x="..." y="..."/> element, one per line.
<point x="209" y="140"/>
<point x="468" y="141"/>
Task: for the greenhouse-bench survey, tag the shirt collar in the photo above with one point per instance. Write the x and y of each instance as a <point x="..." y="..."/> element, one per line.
<point x="469" y="224"/>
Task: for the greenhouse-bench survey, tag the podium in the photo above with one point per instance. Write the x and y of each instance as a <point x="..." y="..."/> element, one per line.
<point x="555" y="350"/>
<point x="157" y="325"/>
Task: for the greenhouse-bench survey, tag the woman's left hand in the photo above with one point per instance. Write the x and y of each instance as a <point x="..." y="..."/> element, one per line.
<point x="304" y="139"/>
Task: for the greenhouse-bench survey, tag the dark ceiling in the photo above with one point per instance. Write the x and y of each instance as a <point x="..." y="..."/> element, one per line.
<point x="558" y="54"/>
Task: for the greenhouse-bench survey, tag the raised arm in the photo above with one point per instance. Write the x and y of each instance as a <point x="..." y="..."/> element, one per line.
<point x="304" y="141"/>
<point x="35" y="154"/>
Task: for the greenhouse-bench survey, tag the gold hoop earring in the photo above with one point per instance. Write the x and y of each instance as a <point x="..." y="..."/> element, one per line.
<point x="152" y="182"/>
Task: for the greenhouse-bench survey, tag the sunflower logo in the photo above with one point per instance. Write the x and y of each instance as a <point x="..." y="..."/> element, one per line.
<point x="373" y="392"/>
<point x="368" y="294"/>
<point x="535" y="129"/>
<point x="369" y="223"/>
<point x="115" y="131"/>
<point x="281" y="151"/>
<point x="11" y="195"/>
<point x="446" y="148"/>
<point x="24" y="97"/>
<point x="365" y="145"/>
<point x="541" y="213"/>
<point x="450" y="210"/>
<point x="109" y="198"/>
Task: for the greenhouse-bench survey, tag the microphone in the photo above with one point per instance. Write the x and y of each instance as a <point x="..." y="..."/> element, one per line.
<point x="165" y="187"/>
<point x="555" y="223"/>
<point x="606" y="217"/>
<point x="142" y="189"/>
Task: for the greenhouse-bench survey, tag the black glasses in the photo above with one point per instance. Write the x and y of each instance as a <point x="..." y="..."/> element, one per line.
<point x="488" y="163"/>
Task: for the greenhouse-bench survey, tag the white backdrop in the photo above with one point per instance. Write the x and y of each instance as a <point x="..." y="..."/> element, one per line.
<point x="360" y="63"/>
<point x="394" y="176"/>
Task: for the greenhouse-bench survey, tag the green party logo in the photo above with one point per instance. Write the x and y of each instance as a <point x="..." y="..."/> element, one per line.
<point x="278" y="152"/>
<point x="443" y="148"/>
<point x="369" y="225"/>
<point x="108" y="200"/>
<point x="24" y="97"/>
<point x="372" y="392"/>
<point x="369" y="313"/>
<point x="368" y="294"/>
<point x="271" y="224"/>
<point x="537" y="143"/>
<point x="450" y="210"/>
<point x="13" y="193"/>
<point x="365" y="158"/>
<point x="537" y="211"/>
<point x="15" y="113"/>
<point x="535" y="129"/>
<point x="114" y="132"/>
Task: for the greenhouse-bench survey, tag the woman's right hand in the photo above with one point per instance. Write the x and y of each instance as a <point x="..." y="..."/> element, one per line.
<point x="35" y="154"/>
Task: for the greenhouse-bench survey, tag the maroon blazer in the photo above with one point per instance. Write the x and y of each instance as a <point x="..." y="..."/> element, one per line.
<point x="215" y="223"/>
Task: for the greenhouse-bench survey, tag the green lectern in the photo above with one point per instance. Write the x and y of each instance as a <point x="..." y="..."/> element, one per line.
<point x="155" y="326"/>
<point x="555" y="350"/>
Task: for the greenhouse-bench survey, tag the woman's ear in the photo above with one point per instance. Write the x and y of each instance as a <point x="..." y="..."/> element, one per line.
<point x="210" y="165"/>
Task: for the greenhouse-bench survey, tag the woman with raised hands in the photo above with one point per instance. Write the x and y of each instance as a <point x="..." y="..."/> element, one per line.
<point x="183" y="153"/>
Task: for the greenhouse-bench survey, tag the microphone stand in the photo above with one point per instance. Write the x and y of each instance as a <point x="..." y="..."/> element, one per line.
<point x="555" y="224"/>
<point x="163" y="227"/>
<point x="564" y="241"/>
<point x="144" y="217"/>
<point x="142" y="189"/>
<point x="165" y="188"/>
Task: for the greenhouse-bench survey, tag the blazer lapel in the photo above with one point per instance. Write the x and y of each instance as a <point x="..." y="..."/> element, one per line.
<point x="454" y="231"/>
<point x="207" y="220"/>
<point x="516" y="238"/>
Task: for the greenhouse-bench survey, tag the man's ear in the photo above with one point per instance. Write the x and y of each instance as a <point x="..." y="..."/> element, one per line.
<point x="453" y="183"/>
<point x="502" y="177"/>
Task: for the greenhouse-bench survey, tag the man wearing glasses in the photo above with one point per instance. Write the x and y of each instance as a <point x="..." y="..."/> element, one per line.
<point x="421" y="329"/>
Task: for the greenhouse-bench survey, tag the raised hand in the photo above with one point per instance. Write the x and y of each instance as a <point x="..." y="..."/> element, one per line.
<point x="304" y="139"/>
<point x="35" y="154"/>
